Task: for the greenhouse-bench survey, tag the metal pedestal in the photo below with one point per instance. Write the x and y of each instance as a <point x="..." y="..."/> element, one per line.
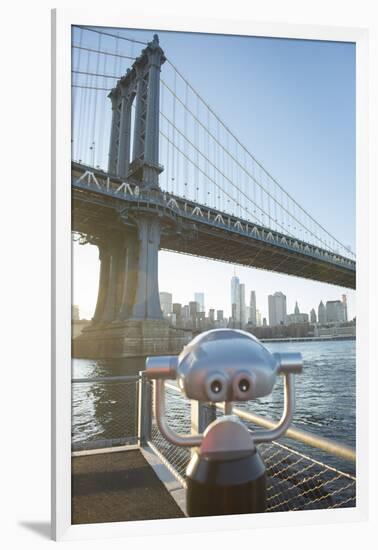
<point x="226" y="483"/>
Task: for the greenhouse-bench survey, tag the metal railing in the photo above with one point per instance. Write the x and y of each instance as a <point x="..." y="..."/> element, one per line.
<point x="119" y="410"/>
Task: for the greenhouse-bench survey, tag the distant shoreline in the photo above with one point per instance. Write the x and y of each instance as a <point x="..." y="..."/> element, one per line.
<point x="308" y="339"/>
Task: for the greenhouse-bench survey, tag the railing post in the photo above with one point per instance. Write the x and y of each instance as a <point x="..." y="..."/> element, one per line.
<point x="144" y="409"/>
<point x="202" y="414"/>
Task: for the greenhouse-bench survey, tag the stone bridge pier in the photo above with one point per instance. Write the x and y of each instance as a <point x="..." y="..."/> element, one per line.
<point x="128" y="321"/>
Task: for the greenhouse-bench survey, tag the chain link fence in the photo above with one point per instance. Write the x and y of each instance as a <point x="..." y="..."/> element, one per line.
<point x="104" y="412"/>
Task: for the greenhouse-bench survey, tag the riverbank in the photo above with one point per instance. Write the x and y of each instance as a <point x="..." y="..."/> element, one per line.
<point x="310" y="339"/>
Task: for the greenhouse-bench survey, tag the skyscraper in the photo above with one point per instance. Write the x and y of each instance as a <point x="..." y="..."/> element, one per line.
<point x="185" y="312"/>
<point x="258" y="318"/>
<point x="193" y="309"/>
<point x="166" y="303"/>
<point x="199" y="297"/>
<point x="322" y="319"/>
<point x="242" y="319"/>
<point x="235" y="298"/>
<point x="277" y="309"/>
<point x="177" y="310"/>
<point x="345" y="306"/>
<point x="313" y="316"/>
<point x="335" y="311"/>
<point x="252" y="308"/>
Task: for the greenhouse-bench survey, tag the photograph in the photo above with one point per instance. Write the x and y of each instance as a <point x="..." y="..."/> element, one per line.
<point x="213" y="274"/>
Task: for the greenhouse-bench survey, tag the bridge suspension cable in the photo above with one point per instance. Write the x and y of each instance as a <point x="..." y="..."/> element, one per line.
<point x="203" y="159"/>
<point x="275" y="201"/>
<point x="118" y="36"/>
<point x="103" y="52"/>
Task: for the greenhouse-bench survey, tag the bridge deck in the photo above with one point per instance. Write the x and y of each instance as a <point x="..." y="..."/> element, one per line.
<point x="97" y="206"/>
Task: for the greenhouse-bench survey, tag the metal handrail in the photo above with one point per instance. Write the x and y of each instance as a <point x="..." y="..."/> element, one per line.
<point x="106" y="379"/>
<point x="322" y="443"/>
<point x="296" y="434"/>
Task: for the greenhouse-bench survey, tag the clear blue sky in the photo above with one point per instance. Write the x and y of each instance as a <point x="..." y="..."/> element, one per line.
<point x="292" y="103"/>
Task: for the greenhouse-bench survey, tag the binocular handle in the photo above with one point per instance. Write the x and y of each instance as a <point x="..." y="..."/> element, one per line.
<point x="260" y="436"/>
<point x="161" y="420"/>
<point x="289" y="362"/>
<point x="263" y="436"/>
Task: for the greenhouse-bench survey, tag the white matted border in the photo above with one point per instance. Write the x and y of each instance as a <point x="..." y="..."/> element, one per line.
<point x="61" y="269"/>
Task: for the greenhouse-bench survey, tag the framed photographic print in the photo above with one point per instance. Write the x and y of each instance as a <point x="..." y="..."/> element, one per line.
<point x="207" y="324"/>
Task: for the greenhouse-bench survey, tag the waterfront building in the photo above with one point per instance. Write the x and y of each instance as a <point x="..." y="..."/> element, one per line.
<point x="277" y="309"/>
<point x="201" y="315"/>
<point x="296" y="318"/>
<point x="166" y="303"/>
<point x="345" y="305"/>
<point x="212" y="315"/>
<point x="335" y="312"/>
<point x="258" y="318"/>
<point x="193" y="309"/>
<point x="199" y="297"/>
<point x="322" y="318"/>
<point x="313" y="316"/>
<point x="252" y="308"/>
<point x="247" y="314"/>
<point x="177" y="310"/>
<point x="172" y="318"/>
<point x="219" y="314"/>
<point x="264" y="323"/>
<point x="185" y="312"/>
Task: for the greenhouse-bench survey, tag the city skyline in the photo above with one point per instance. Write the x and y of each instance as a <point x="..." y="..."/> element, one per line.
<point x="334" y="310"/>
<point x="216" y="289"/>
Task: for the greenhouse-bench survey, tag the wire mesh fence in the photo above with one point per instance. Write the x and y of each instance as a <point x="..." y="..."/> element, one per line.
<point x="296" y="481"/>
<point x="104" y="412"/>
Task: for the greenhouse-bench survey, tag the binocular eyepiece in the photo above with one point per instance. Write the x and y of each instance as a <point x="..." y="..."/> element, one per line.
<point x="224" y="365"/>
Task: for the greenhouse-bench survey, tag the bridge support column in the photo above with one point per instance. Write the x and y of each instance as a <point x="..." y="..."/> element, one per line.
<point x="104" y="257"/>
<point x="147" y="301"/>
<point x="130" y="274"/>
<point x="116" y="253"/>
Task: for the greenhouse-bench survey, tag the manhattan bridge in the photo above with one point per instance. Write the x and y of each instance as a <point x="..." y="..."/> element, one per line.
<point x="155" y="168"/>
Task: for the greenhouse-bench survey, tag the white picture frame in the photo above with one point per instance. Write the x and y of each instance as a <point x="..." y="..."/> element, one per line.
<point x="61" y="303"/>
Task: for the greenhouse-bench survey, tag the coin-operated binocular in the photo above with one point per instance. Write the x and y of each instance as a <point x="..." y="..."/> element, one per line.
<point x="226" y="474"/>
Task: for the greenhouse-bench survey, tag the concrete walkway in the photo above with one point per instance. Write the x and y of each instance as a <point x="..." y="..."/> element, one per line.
<point x="118" y="486"/>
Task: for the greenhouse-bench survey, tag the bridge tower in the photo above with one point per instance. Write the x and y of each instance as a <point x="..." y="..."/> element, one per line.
<point x="128" y="319"/>
<point x="137" y="156"/>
